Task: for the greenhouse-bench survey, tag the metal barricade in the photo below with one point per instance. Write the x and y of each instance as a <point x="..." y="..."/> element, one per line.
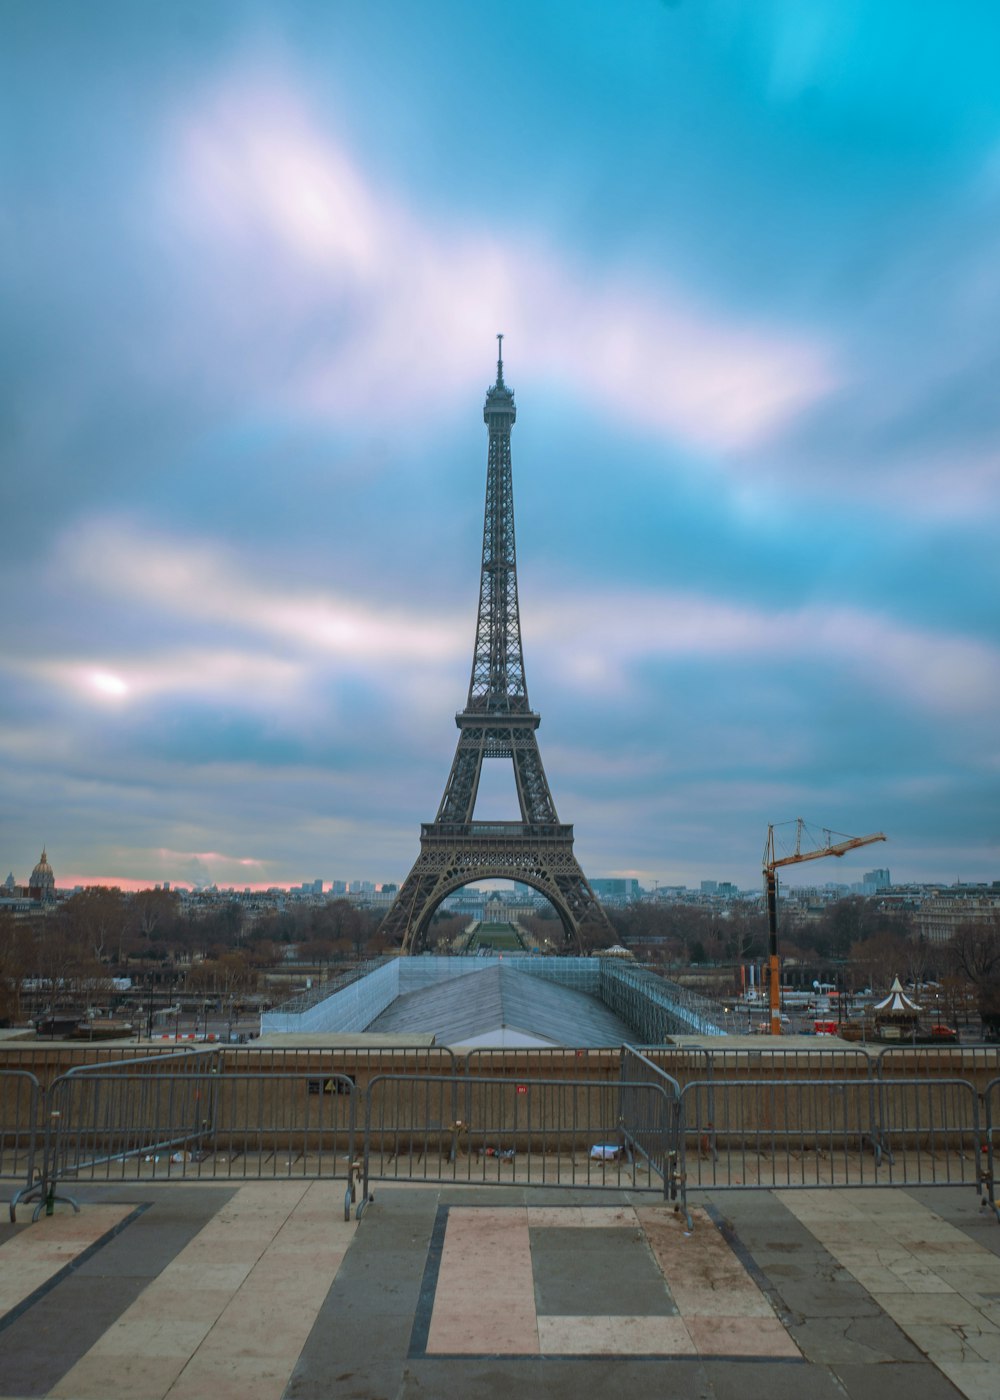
<point x="844" y="1062"/>
<point x="584" y="1063"/>
<point x="49" y="1059"/>
<point x="681" y="1063"/>
<point x="148" y="1120"/>
<point x="107" y="1121"/>
<point x="574" y="1134"/>
<point x="930" y="1132"/>
<point x="21" y="1132"/>
<point x="977" y="1064"/>
<point x="991" y="1102"/>
<point x="645" y="1136"/>
<point x="776" y="1133"/>
<point x="218" y="1114"/>
<point x="354" y="1061"/>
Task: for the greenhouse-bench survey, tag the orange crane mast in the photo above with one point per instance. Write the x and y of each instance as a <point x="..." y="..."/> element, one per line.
<point x="772" y="862"/>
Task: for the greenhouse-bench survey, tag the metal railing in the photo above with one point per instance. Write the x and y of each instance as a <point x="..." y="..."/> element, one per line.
<point x="21" y="1132"/>
<point x="920" y="1061"/>
<point x="587" y="1063"/>
<point x="660" y="1145"/>
<point x="354" y="1061"/>
<point x="771" y="1133"/>
<point x="648" y="1120"/>
<point x="977" y="1063"/>
<point x="578" y="1134"/>
<point x="200" y="1120"/>
<point x="931" y="1132"/>
<point x="303" y="1001"/>
<point x="49" y="1059"/>
<point x="836" y="1132"/>
<point x="991" y="1102"/>
<point x="687" y="1064"/>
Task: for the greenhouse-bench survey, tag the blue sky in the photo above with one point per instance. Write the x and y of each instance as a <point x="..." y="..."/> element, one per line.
<point x="252" y="261"/>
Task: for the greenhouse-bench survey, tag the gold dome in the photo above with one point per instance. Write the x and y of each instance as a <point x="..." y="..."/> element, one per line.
<point x="42" y="877"/>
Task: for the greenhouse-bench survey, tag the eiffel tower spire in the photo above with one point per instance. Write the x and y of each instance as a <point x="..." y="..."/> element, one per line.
<point x="497" y="723"/>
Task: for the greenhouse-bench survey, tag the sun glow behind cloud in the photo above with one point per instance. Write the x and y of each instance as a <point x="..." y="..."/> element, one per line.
<point x="108" y="685"/>
<point x="262" y="641"/>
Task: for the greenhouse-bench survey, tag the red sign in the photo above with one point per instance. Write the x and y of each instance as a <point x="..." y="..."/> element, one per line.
<point x="522" y="1088"/>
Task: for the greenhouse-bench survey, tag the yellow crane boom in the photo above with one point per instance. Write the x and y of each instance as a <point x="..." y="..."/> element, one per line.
<point x="772" y="862"/>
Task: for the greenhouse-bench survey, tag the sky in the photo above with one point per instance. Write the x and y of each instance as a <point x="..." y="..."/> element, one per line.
<point x="253" y="258"/>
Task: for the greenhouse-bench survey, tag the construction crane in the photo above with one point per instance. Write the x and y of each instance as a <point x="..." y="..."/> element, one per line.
<point x="772" y="861"/>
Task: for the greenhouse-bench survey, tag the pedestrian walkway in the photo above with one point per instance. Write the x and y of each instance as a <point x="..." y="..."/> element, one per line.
<point x="263" y="1291"/>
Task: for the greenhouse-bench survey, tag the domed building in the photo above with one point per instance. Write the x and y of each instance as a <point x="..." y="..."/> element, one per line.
<point x="42" y="885"/>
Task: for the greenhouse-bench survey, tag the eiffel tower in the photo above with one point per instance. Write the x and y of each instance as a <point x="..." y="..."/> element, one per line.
<point x="497" y="722"/>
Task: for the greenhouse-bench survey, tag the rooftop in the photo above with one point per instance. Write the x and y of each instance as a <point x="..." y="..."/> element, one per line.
<point x="497" y="1005"/>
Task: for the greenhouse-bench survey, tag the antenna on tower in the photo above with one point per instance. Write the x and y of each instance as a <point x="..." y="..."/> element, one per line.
<point x="499" y="357"/>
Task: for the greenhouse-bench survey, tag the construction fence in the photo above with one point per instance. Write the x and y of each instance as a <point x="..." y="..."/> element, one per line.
<point x="656" y="1120"/>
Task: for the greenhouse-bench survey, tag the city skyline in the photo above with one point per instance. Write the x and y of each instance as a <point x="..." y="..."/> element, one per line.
<point x="255" y="257"/>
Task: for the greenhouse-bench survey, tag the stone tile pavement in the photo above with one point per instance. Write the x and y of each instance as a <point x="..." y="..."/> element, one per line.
<point x="262" y="1291"/>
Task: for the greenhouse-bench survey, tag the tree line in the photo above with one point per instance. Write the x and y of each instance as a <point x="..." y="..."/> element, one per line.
<point x="101" y="934"/>
<point x="216" y="949"/>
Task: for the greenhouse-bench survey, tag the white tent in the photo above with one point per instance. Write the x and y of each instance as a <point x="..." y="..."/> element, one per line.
<point x="896" y="1016"/>
<point x="897" y="1003"/>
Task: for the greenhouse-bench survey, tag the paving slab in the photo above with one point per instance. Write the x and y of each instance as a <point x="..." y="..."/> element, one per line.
<point x="769" y="1380"/>
<point x="837" y="1341"/>
<point x="895" y="1379"/>
<point x="43" y="1342"/>
<point x="262" y="1291"/>
<point x="597" y="1272"/>
<point x="547" y="1379"/>
<point x="964" y="1211"/>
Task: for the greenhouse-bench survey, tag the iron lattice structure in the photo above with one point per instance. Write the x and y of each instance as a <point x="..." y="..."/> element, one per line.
<point x="497" y="722"/>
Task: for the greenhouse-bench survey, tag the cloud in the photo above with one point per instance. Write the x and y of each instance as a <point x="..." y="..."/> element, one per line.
<point x="289" y="230"/>
<point x="252" y="640"/>
<point x="212" y="588"/>
<point x="757" y="368"/>
<point x="946" y="674"/>
<point x="259" y="679"/>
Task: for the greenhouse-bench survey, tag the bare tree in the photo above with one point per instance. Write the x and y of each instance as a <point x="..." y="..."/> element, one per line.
<point x="95" y="919"/>
<point x="974" y="951"/>
<point x="880" y="958"/>
<point x="975" y="955"/>
<point x="13" y="967"/>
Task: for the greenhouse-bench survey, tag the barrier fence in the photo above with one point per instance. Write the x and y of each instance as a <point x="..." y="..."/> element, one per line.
<point x="579" y="1134"/>
<point x="20" y="1131"/>
<point x="48" y="1059"/>
<point x="660" y="1144"/>
<point x="979" y="1063"/>
<point x="656" y="1120"/>
<point x="991" y="1102"/>
<point x="774" y="1133"/>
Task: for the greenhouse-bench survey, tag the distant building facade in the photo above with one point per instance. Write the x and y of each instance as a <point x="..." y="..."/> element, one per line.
<point x="614" y="890"/>
<point x="875" y="881"/>
<point x="945" y="911"/>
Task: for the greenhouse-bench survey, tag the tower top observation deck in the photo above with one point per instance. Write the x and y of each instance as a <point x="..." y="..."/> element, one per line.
<point x="499" y="411"/>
